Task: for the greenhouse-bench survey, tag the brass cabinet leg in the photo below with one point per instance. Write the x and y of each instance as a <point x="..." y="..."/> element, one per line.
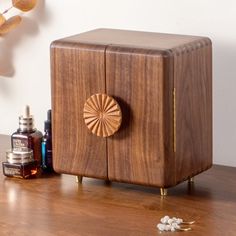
<point x="163" y="191"/>
<point x="79" y="179"/>
<point x="191" y="180"/>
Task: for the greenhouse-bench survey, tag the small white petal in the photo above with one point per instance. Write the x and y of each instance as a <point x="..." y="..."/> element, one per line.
<point x="167" y="217"/>
<point x="167" y="227"/>
<point x="163" y="221"/>
<point x="170" y="221"/>
<point x="175" y="225"/>
<point x="161" y="227"/>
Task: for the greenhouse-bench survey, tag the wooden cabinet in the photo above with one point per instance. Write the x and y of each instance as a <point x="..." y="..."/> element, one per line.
<point x="159" y="86"/>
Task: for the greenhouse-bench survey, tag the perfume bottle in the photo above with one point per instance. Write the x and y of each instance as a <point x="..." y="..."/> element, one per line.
<point x="47" y="145"/>
<point x="20" y="164"/>
<point x="27" y="137"/>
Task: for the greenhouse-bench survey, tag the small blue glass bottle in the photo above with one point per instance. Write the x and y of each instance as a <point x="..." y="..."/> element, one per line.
<point x="47" y="157"/>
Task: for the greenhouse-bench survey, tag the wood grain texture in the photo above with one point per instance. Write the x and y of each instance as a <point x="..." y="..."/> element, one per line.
<point x="136" y="153"/>
<point x="159" y="143"/>
<point x="78" y="71"/>
<point x="168" y="124"/>
<point x="102" y="115"/>
<point x="56" y="205"/>
<point x="193" y="82"/>
<point x="130" y="38"/>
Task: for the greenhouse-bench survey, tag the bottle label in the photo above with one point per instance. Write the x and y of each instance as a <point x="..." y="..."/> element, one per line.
<point x="20" y="144"/>
<point x="12" y="171"/>
<point x="43" y="145"/>
<point x="46" y="156"/>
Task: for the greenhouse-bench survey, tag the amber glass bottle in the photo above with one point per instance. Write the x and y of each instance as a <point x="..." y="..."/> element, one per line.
<point x="27" y="136"/>
<point x="20" y="164"/>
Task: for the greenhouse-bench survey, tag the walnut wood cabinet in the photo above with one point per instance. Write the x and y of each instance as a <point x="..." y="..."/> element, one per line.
<point x="132" y="106"/>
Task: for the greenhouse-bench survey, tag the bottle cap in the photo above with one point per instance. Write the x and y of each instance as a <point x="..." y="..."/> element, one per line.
<point x="19" y="157"/>
<point x="47" y="123"/>
<point x="26" y="121"/>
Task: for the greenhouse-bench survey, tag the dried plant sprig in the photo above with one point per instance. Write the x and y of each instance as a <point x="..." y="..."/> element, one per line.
<point x="7" y="25"/>
<point x="2" y="19"/>
<point x="24" y="5"/>
<point x="10" y="24"/>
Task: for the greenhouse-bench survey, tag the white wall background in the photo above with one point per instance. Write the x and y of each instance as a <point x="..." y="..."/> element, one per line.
<point x="24" y="53"/>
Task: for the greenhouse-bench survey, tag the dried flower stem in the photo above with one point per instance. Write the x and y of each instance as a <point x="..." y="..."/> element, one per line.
<point x="7" y="10"/>
<point x="9" y="24"/>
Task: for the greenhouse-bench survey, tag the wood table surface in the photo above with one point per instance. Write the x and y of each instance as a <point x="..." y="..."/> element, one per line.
<point x="56" y="205"/>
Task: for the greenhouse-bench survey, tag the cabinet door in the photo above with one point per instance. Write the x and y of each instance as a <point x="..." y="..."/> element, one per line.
<point x="135" y="78"/>
<point x="78" y="71"/>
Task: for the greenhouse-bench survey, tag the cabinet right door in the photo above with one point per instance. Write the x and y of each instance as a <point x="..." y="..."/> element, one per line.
<point x="135" y="78"/>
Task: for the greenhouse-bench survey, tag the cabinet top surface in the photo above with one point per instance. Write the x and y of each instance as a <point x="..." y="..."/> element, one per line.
<point x="133" y="39"/>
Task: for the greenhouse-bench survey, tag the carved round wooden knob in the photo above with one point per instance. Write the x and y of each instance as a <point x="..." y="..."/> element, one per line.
<point x="102" y="115"/>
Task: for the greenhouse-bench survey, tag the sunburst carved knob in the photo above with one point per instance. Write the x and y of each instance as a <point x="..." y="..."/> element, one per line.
<point x="102" y="115"/>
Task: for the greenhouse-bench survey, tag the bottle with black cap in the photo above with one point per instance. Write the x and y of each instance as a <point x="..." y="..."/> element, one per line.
<point x="47" y="145"/>
<point x="27" y="136"/>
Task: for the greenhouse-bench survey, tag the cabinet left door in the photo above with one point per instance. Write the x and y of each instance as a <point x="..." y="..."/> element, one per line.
<point x="77" y="72"/>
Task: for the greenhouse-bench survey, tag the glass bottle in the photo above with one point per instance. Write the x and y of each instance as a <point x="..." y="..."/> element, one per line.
<point x="27" y="137"/>
<point x="47" y="157"/>
<point x="20" y="164"/>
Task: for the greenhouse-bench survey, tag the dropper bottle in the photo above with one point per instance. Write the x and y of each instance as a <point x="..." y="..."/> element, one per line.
<point x="47" y="157"/>
<point x="27" y="136"/>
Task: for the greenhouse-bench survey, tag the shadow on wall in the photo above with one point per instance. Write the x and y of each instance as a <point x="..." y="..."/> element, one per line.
<point x="28" y="26"/>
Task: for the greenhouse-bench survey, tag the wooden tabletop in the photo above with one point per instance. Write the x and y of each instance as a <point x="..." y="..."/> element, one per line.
<point x="56" y="205"/>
